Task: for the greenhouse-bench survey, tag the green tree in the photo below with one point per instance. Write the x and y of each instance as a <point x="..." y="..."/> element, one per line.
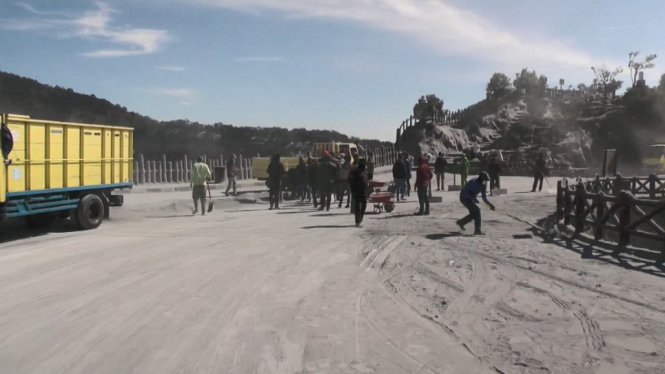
<point x="661" y="84"/>
<point x="635" y="67"/>
<point x="530" y="83"/>
<point x="428" y="108"/>
<point x="606" y="79"/>
<point x="498" y="86"/>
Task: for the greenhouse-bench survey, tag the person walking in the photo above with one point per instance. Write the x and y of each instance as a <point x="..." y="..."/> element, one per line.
<point x="231" y="173"/>
<point x="440" y="171"/>
<point x="328" y="177"/>
<point x="539" y="172"/>
<point x="301" y="175"/>
<point x="200" y="175"/>
<point x="359" y="184"/>
<point x="312" y="172"/>
<point x="344" y="188"/>
<point x="465" y="170"/>
<point x="494" y="171"/>
<point x="370" y="165"/>
<point x="399" y="177"/>
<point x="275" y="176"/>
<point x="409" y="167"/>
<point x="469" y="198"/>
<point x="423" y="179"/>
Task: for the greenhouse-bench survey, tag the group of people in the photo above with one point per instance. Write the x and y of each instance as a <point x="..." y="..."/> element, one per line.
<point x="402" y="173"/>
<point x="320" y="179"/>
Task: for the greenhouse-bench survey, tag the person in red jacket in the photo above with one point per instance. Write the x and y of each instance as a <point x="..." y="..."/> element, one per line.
<point x="423" y="179"/>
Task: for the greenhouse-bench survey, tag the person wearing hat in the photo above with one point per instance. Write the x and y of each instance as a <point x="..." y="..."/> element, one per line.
<point x="359" y="184"/>
<point x="469" y="198"/>
<point x="422" y="185"/>
<point x="440" y="171"/>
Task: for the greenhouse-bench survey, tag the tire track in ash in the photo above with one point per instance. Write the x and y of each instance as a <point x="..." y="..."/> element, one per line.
<point x="593" y="335"/>
<point x="500" y="305"/>
<point x="571" y="283"/>
<point x="379" y="255"/>
<point x="461" y="303"/>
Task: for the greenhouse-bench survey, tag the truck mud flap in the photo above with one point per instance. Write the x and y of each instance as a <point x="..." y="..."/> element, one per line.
<point x="116" y="200"/>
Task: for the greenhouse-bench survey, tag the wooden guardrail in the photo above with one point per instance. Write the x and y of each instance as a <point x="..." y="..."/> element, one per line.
<point x="609" y="210"/>
<point x="652" y="186"/>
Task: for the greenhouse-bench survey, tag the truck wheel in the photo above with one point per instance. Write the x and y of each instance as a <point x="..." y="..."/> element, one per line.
<point x="39" y="221"/>
<point x="90" y="212"/>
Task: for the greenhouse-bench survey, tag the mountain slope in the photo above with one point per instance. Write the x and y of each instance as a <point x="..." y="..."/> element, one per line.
<point x="153" y="138"/>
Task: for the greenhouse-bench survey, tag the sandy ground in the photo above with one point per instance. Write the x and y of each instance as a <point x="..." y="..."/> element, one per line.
<point x="247" y="290"/>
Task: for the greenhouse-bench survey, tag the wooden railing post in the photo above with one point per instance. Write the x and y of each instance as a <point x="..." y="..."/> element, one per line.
<point x="652" y="185"/>
<point x="185" y="169"/>
<point x="142" y="178"/>
<point x="560" y="195"/>
<point x="136" y="173"/>
<point x="624" y="217"/>
<point x="618" y="181"/>
<point x="580" y="207"/>
<point x="241" y="170"/>
<point x="600" y="212"/>
<point x="165" y="176"/>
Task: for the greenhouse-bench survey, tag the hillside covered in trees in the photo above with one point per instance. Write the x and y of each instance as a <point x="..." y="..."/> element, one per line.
<point x="153" y="138"/>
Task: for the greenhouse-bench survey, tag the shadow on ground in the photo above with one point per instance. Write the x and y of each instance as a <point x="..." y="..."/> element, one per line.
<point x="443" y="236"/>
<point x="641" y="260"/>
<point x="15" y="229"/>
<point x="328" y="227"/>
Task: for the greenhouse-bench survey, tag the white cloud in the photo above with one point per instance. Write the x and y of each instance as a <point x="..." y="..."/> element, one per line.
<point x="259" y="59"/>
<point x="92" y="25"/>
<point x="447" y="29"/>
<point x="171" y="68"/>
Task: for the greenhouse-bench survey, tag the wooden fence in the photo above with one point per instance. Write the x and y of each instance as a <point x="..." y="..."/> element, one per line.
<point x="178" y="171"/>
<point x="652" y="186"/>
<point x="609" y="210"/>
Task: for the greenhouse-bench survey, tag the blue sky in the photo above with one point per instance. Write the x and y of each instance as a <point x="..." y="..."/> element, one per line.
<point x="356" y="66"/>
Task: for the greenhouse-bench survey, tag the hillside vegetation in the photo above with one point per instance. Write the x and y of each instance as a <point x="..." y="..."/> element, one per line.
<point x="574" y="125"/>
<point x="153" y="138"/>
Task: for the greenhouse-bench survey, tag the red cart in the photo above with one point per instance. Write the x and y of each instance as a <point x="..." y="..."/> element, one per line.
<point x="381" y="200"/>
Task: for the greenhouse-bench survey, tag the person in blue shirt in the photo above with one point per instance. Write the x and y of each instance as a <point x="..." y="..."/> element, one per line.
<point x="469" y="198"/>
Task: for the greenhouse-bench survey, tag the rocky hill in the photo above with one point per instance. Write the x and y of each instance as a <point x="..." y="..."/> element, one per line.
<point x="574" y="129"/>
<point x="153" y="138"/>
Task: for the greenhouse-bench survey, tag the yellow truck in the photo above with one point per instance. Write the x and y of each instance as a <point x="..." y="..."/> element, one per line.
<point x="336" y="148"/>
<point x="260" y="166"/>
<point x="60" y="169"/>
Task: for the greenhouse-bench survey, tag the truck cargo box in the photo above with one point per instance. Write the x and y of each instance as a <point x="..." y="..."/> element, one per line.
<point x="50" y="157"/>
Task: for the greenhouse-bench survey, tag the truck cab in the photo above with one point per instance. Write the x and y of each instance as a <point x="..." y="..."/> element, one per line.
<point x="336" y="148"/>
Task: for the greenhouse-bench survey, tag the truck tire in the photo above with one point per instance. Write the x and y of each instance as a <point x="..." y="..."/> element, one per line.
<point x="39" y="221"/>
<point x="90" y="212"/>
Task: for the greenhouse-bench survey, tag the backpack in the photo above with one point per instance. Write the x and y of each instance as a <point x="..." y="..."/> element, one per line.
<point x="7" y="141"/>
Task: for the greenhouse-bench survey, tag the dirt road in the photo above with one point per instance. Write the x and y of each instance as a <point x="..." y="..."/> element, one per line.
<point x="247" y="290"/>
